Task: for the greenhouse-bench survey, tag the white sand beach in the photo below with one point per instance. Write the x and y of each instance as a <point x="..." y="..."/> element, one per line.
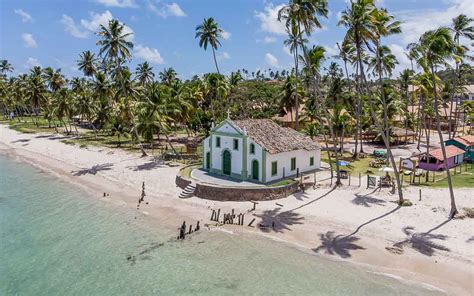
<point x="415" y="243"/>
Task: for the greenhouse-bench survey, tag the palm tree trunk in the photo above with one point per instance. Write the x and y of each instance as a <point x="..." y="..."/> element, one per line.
<point x="297" y="115"/>
<point x="215" y="60"/>
<point x="451" y="131"/>
<point x="135" y="131"/>
<point x="453" y="210"/>
<point x="380" y="128"/>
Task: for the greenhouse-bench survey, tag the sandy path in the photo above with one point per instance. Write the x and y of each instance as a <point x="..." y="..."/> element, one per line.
<point x="353" y="224"/>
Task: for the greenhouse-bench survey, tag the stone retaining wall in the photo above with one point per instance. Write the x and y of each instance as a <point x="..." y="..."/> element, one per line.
<point x="243" y="194"/>
<point x="181" y="182"/>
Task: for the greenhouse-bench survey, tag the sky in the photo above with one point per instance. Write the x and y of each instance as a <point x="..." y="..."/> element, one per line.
<point x="54" y="32"/>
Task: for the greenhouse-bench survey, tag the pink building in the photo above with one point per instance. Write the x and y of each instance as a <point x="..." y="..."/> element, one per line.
<point x="433" y="161"/>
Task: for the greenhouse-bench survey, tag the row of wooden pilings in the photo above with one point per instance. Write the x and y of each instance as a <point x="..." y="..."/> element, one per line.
<point x="229" y="218"/>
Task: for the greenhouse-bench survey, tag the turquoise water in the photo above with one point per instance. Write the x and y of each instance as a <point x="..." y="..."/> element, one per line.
<point x="56" y="240"/>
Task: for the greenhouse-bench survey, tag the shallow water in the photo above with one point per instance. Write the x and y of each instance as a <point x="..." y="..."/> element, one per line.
<point x="57" y="240"/>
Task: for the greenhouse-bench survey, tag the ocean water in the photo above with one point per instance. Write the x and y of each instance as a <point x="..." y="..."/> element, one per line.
<point x="57" y="240"/>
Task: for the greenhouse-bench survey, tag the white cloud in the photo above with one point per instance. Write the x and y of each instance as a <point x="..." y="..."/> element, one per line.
<point x="403" y="60"/>
<point x="271" y="60"/>
<point x="32" y="62"/>
<point x="97" y="19"/>
<point x="28" y="40"/>
<point x="269" y="20"/>
<point x="25" y="16"/>
<point x="118" y="3"/>
<point x="269" y="39"/>
<point x="166" y="10"/>
<point x="71" y="27"/>
<point x="415" y="23"/>
<point x="149" y="54"/>
<point x="226" y="35"/>
<point x="331" y="51"/>
<point x="224" y="56"/>
<point x="286" y="49"/>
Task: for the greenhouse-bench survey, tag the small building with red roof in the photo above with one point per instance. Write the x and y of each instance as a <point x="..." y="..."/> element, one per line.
<point x="433" y="161"/>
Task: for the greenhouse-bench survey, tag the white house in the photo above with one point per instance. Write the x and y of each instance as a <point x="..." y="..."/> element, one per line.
<point x="259" y="150"/>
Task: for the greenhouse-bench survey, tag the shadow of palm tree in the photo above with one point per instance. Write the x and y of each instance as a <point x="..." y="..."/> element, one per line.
<point x="274" y="220"/>
<point x="93" y="170"/>
<point x="374" y="219"/>
<point x="367" y="200"/>
<point x="21" y="141"/>
<point x="314" y="200"/>
<point x="147" y="166"/>
<point x="340" y="245"/>
<point x="421" y="242"/>
<point x="470" y="240"/>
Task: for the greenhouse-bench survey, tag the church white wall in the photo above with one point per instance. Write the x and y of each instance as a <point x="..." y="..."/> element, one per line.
<point x="284" y="163"/>
<point x="227" y="143"/>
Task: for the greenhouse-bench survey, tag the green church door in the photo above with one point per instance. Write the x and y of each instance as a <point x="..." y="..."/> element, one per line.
<point x="226" y="162"/>
<point x="255" y="170"/>
<point x="208" y="160"/>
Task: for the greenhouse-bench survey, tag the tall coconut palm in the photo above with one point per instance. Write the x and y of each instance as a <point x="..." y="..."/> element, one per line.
<point x="209" y="33"/>
<point x="87" y="63"/>
<point x="365" y="23"/>
<point x="437" y="47"/>
<point x="115" y="46"/>
<point x="144" y="73"/>
<point x="127" y="93"/>
<point x="461" y="28"/>
<point x="300" y="18"/>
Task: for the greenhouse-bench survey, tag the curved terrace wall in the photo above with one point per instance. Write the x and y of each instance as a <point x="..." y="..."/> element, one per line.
<point x="223" y="193"/>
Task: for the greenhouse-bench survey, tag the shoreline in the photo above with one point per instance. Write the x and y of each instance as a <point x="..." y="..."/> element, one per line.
<point x="452" y="273"/>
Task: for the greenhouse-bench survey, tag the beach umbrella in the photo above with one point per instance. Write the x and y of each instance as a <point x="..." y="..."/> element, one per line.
<point x="386" y="170"/>
<point x="343" y="163"/>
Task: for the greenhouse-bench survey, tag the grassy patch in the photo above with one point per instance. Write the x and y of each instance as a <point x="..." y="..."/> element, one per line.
<point x="186" y="172"/>
<point x="282" y="183"/>
<point x="465" y="179"/>
<point x="360" y="165"/>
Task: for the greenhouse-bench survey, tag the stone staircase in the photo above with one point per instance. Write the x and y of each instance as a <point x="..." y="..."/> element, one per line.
<point x="188" y="191"/>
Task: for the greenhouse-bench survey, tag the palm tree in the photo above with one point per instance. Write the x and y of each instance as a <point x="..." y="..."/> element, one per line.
<point x="168" y="76"/>
<point x="301" y="17"/>
<point x="144" y="73"/>
<point x="365" y="23"/>
<point x="114" y="46"/>
<point x="209" y="33"/>
<point x="436" y="48"/>
<point x="127" y="93"/>
<point x="461" y="28"/>
<point x="5" y="67"/>
<point x="87" y="63"/>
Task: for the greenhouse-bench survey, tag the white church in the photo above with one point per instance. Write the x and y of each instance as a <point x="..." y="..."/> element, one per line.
<point x="259" y="150"/>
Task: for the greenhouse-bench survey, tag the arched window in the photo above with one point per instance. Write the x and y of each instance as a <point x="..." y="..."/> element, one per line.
<point x="252" y="148"/>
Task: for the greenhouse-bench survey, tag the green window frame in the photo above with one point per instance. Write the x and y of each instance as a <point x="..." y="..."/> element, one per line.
<point x="311" y="161"/>
<point x="218" y="142"/>
<point x="252" y="148"/>
<point x="293" y="163"/>
<point x="236" y="144"/>
<point x="274" y="168"/>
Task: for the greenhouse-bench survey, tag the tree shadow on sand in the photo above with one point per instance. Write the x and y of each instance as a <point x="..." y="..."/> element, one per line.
<point x="422" y="242"/>
<point x="367" y="200"/>
<point x="274" y="220"/>
<point x="340" y="245"/>
<point x="148" y="166"/>
<point x="470" y="240"/>
<point x="93" y="170"/>
<point x="21" y="141"/>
